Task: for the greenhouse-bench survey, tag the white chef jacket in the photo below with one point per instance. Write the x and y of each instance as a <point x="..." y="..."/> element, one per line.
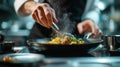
<point x="91" y="11"/>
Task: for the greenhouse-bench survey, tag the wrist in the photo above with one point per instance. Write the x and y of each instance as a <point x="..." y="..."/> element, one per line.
<point x="28" y="7"/>
<point x="89" y="20"/>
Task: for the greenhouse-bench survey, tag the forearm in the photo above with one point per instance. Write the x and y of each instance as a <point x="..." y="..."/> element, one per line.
<point x="25" y="8"/>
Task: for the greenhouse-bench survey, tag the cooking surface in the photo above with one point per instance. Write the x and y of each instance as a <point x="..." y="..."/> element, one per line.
<point x="108" y="61"/>
<point x="83" y="62"/>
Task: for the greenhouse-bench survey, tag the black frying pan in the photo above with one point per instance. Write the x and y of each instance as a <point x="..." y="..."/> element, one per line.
<point x="62" y="50"/>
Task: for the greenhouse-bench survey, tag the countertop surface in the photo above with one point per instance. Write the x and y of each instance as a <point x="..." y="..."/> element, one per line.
<point x="106" y="61"/>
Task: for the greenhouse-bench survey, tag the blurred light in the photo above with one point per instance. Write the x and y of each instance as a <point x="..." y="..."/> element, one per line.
<point x="36" y="0"/>
<point x="15" y="27"/>
<point x="29" y="25"/>
<point x="112" y="26"/>
<point x="101" y="5"/>
<point x="75" y="64"/>
<point x="102" y="60"/>
<point x="4" y="25"/>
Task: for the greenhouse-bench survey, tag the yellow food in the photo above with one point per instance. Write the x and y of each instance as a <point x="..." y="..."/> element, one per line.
<point x="55" y="41"/>
<point x="10" y="59"/>
<point x="7" y="59"/>
<point x="66" y="40"/>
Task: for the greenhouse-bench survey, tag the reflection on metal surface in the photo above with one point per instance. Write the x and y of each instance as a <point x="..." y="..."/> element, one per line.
<point x="83" y="62"/>
<point x="111" y="42"/>
<point x="99" y="51"/>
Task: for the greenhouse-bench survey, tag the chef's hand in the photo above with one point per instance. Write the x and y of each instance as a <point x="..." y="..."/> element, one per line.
<point x="88" y="26"/>
<point x="44" y="15"/>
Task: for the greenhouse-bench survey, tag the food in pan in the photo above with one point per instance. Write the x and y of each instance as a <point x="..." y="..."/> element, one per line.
<point x="66" y="40"/>
<point x="10" y="59"/>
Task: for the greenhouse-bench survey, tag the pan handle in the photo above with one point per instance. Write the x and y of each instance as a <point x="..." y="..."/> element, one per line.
<point x="88" y="35"/>
<point x="99" y="51"/>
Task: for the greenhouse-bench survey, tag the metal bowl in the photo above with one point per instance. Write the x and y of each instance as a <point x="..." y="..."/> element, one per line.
<point x="111" y="42"/>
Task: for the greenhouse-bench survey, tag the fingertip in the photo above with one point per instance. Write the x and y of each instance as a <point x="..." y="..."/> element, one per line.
<point x="55" y="20"/>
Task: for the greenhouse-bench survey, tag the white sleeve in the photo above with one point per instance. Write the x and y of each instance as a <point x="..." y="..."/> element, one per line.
<point x="92" y="11"/>
<point x="94" y="8"/>
<point x="18" y="4"/>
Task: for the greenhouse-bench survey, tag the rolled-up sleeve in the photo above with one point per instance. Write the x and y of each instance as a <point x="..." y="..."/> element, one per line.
<point x="92" y="11"/>
<point x="18" y="4"/>
<point x="93" y="15"/>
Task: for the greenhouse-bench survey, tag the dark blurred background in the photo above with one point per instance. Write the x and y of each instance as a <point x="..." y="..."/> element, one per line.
<point x="17" y="28"/>
<point x="12" y="26"/>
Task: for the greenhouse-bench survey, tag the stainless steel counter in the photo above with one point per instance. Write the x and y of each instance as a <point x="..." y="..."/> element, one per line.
<point x="108" y="61"/>
<point x="83" y="62"/>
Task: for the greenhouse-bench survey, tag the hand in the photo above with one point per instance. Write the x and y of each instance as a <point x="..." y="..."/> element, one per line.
<point x="44" y="15"/>
<point x="89" y="26"/>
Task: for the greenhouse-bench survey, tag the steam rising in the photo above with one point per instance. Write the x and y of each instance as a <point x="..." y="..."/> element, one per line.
<point x="65" y="24"/>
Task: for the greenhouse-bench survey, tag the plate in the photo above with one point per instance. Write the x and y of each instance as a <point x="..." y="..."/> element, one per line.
<point x="21" y="58"/>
